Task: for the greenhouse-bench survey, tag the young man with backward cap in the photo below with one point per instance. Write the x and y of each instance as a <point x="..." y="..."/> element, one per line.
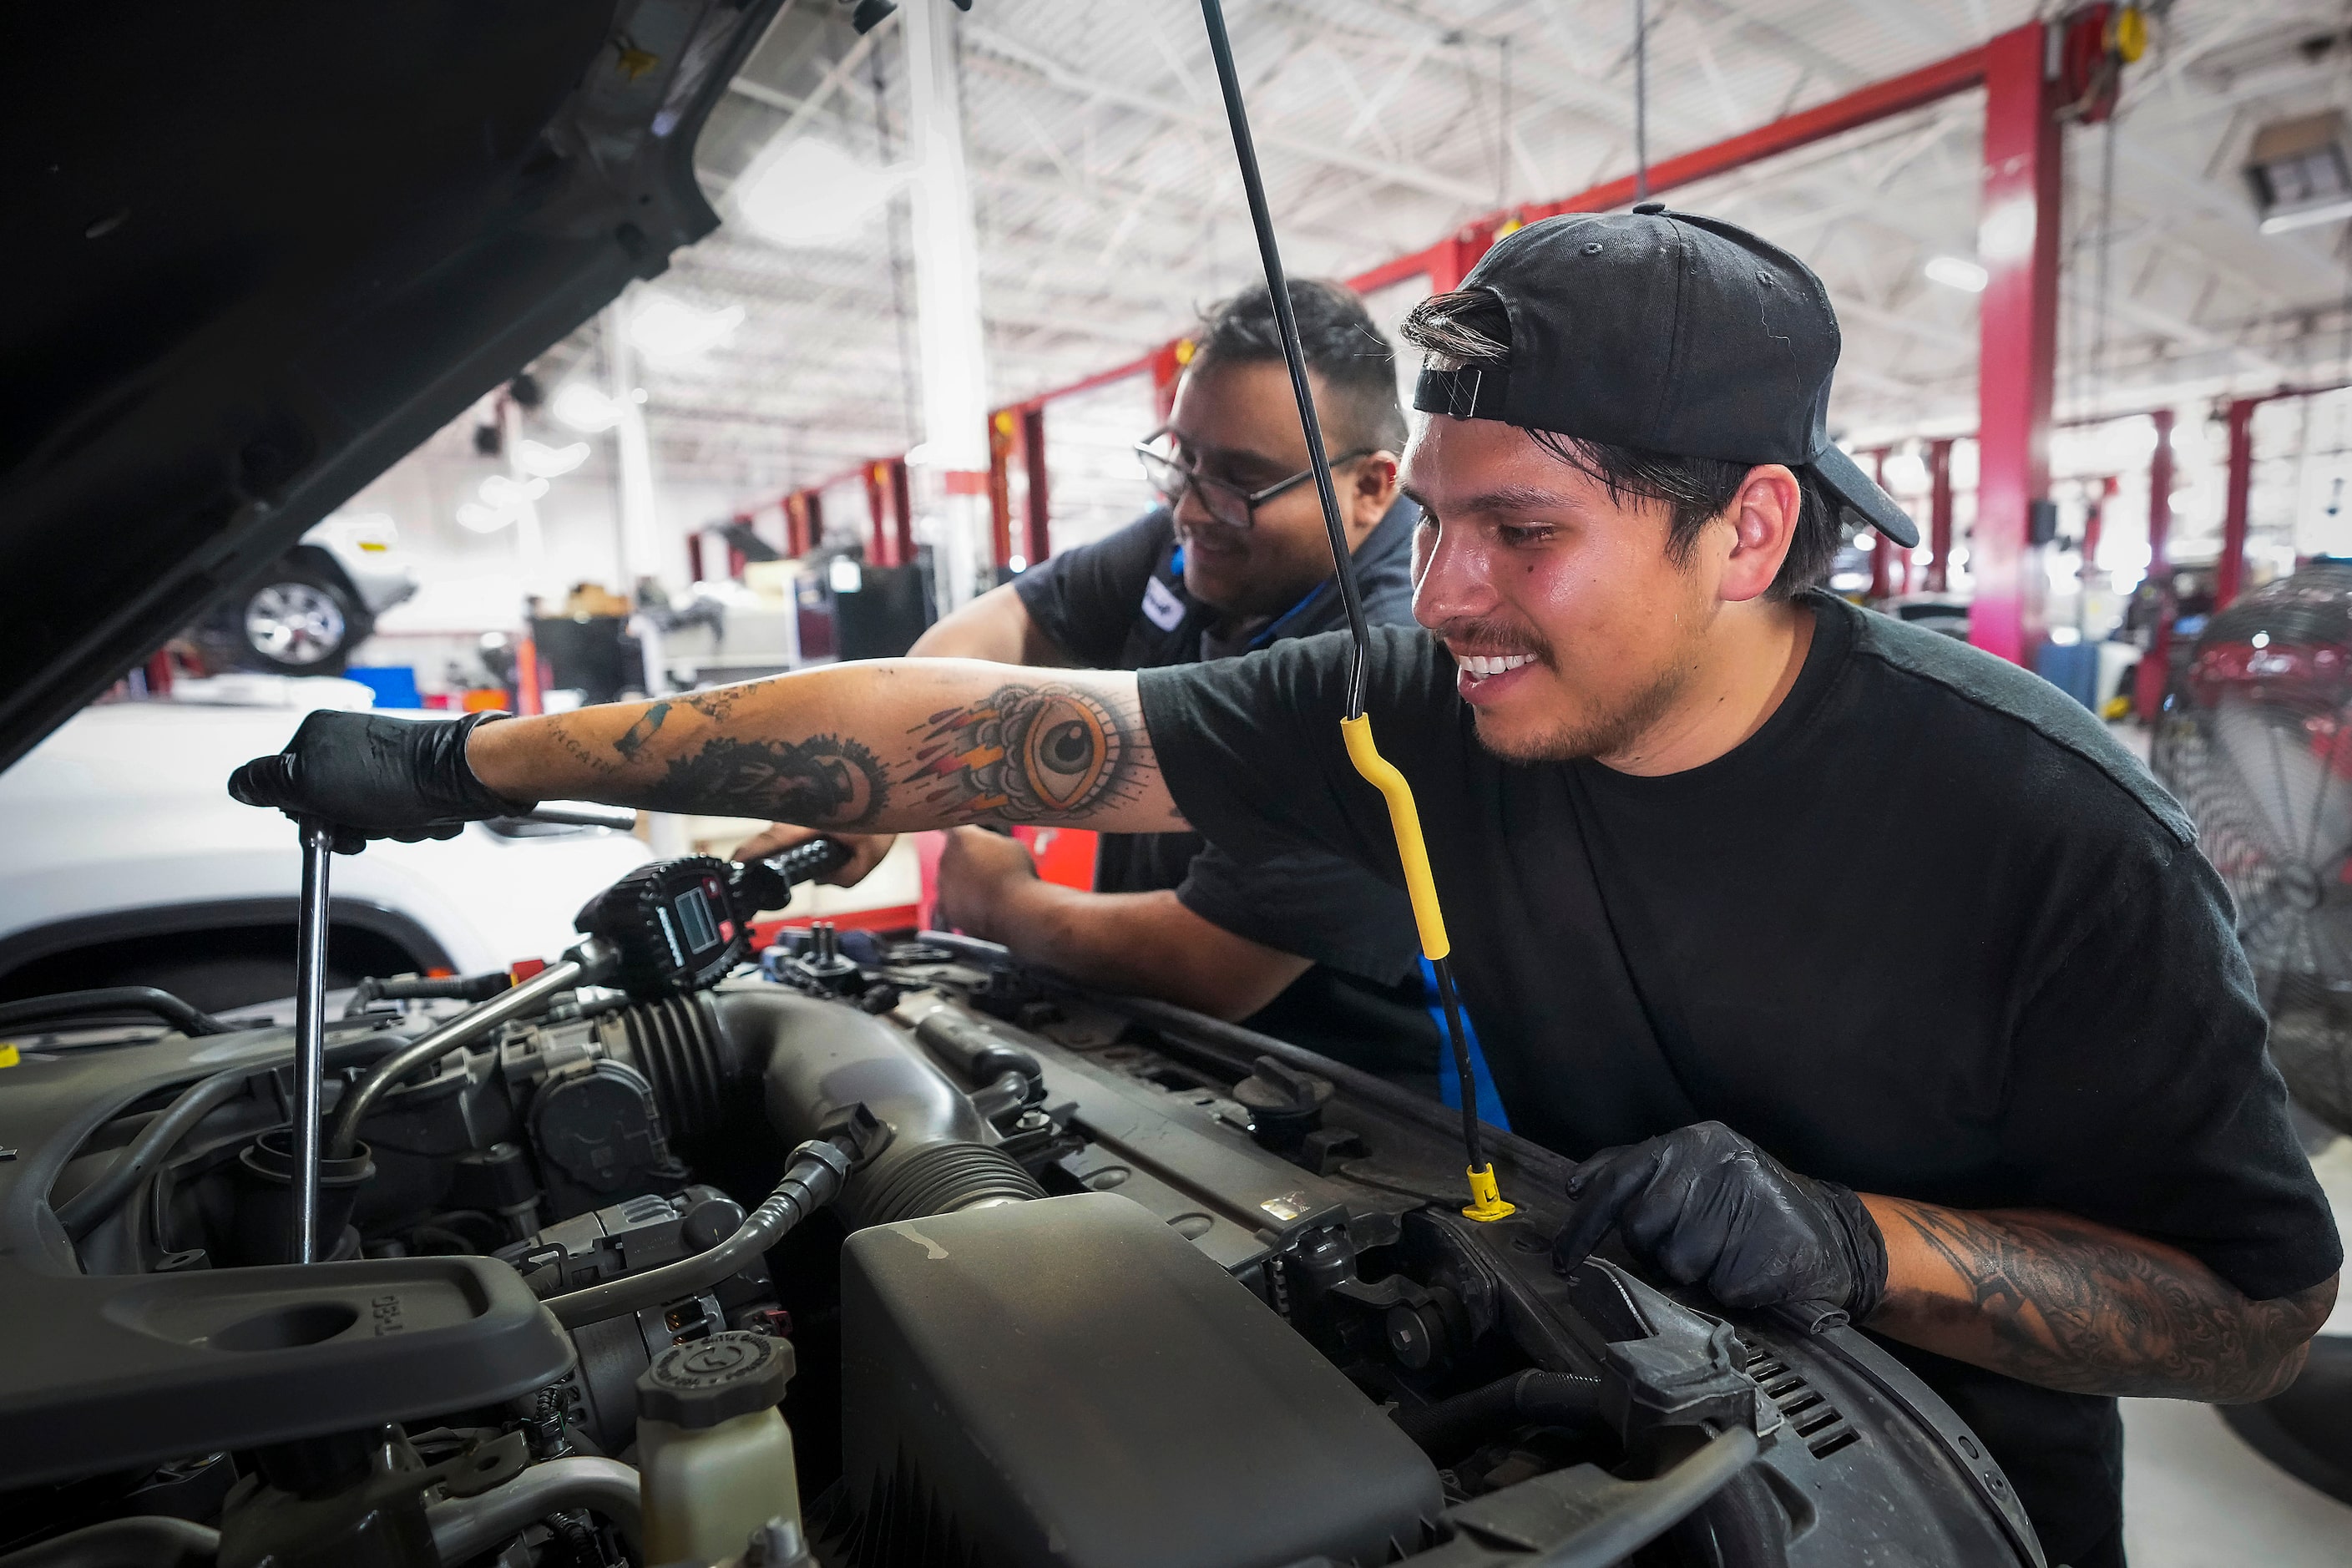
<point x="1855" y="965"/>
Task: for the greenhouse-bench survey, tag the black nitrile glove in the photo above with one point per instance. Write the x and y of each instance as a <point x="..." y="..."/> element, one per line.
<point x="375" y="777"/>
<point x="1705" y="1205"/>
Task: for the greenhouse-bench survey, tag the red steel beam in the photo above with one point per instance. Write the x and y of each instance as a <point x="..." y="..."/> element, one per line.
<point x="2155" y="664"/>
<point x="1939" y="516"/>
<point x="1036" y="531"/>
<point x="2160" y="498"/>
<point x="1882" y="548"/>
<point x="1001" y="426"/>
<point x="1452" y="256"/>
<point x="1446" y="261"/>
<point x="1896" y="95"/>
<point x="877" y="515"/>
<point x="2229" y="570"/>
<point x="2017" y="325"/>
<point x="902" y="509"/>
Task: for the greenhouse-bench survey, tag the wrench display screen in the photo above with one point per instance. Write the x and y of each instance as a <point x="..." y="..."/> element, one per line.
<point x="694" y="922"/>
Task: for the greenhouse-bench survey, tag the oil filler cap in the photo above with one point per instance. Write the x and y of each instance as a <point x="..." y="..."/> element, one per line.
<point x="716" y="1379"/>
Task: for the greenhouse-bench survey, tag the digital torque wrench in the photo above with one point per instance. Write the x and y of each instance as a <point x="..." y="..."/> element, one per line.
<point x="1404" y="818"/>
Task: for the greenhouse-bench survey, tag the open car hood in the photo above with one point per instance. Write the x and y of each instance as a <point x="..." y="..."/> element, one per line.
<point x="265" y="250"/>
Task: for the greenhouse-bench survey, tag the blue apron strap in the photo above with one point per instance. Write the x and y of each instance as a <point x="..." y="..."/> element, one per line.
<point x="1274" y="627"/>
<point x="1449" y="1082"/>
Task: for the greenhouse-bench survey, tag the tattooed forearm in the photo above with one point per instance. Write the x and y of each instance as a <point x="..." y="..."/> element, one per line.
<point x="572" y="746"/>
<point x="2070" y="1304"/>
<point x="891" y="746"/>
<point x="632" y="740"/>
<point x="825" y="780"/>
<point x="1027" y="752"/>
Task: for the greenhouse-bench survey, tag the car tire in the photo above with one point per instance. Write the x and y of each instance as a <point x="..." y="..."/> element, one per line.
<point x="298" y="620"/>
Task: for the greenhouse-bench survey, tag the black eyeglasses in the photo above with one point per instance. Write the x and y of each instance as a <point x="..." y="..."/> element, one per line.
<point x="1223" y="500"/>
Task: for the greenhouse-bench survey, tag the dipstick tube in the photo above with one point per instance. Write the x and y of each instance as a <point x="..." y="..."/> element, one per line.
<point x="1404" y="818"/>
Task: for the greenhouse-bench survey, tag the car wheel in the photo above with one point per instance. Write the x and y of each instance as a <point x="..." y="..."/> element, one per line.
<point x="296" y="622"/>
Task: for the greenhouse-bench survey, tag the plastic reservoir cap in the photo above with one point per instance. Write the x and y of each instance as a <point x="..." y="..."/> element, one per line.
<point x="716" y="1379"/>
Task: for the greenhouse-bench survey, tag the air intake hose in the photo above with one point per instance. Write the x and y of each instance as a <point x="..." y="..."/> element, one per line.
<point x="823" y="1060"/>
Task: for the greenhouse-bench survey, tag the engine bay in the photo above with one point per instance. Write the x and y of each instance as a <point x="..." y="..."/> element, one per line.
<point x="1059" y="1277"/>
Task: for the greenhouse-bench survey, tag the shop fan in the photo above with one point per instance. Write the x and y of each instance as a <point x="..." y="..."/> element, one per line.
<point x="2257" y="744"/>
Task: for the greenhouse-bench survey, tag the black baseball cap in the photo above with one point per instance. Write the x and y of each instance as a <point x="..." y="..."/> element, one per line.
<point x="1668" y="331"/>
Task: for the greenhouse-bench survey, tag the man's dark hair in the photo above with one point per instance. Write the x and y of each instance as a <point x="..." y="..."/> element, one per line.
<point x="1342" y="345"/>
<point x="1470" y="326"/>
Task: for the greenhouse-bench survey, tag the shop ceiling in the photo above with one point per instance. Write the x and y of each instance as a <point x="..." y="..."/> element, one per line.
<point x="1109" y="212"/>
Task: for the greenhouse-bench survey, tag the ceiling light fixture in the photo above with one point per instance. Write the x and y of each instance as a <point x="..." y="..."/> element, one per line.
<point x="583" y="407"/>
<point x="810" y="192"/>
<point x="505" y="500"/>
<point x="1906" y="472"/>
<point x="669" y="331"/>
<point x="2301" y="172"/>
<point x="546" y="462"/>
<point x="1957" y="272"/>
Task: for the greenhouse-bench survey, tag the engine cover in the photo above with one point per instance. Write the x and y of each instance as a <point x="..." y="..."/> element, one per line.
<point x="1070" y="1382"/>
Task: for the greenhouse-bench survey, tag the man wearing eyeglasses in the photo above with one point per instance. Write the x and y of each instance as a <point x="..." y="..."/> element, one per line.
<point x="1235" y="558"/>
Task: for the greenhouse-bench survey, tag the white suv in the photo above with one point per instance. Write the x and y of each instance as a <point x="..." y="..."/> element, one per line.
<point x="317" y="602"/>
<point x="126" y="863"/>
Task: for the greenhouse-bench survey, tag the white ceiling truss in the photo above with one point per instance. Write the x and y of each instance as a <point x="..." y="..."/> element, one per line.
<point x="1109" y="212"/>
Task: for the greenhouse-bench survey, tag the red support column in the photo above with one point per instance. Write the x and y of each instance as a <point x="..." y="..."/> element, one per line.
<point x="1939" y="516"/>
<point x="2017" y="242"/>
<point x="999" y="489"/>
<point x="1882" y="548"/>
<point x="877" y="523"/>
<point x="1168" y="362"/>
<point x="2155" y="664"/>
<point x="1452" y="259"/>
<point x="902" y="509"/>
<point x="812" y="517"/>
<point x="527" y="682"/>
<point x="2229" y="570"/>
<point x="2094" y="524"/>
<point x="796" y="534"/>
<point x="1036" y="531"/>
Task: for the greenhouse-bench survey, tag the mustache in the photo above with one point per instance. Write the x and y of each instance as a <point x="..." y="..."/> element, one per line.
<point x="1487" y="637"/>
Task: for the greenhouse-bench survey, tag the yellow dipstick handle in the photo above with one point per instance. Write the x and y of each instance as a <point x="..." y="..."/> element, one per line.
<point x="1486" y="1198"/>
<point x="1405" y="821"/>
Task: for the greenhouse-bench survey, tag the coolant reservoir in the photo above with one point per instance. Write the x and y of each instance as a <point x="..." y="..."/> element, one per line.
<point x="715" y="1453"/>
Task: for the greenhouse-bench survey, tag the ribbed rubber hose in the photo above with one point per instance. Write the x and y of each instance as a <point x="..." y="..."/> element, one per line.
<point x="811" y="1181"/>
<point x="143" y="1540"/>
<point x="941" y="1178"/>
<point x="1453" y="1426"/>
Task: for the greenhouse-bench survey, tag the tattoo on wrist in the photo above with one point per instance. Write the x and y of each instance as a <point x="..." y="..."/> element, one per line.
<point x="2071" y="1305"/>
<point x="1027" y="752"/>
<point x="825" y="780"/>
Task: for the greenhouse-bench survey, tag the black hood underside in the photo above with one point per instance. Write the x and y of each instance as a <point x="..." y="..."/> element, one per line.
<point x="270" y="247"/>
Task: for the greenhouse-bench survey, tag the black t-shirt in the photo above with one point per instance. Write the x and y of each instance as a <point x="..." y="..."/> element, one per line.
<point x="1121" y="604"/>
<point x="1930" y="933"/>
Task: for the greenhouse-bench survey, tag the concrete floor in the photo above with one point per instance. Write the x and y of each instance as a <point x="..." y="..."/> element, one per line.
<point x="2197" y="1496"/>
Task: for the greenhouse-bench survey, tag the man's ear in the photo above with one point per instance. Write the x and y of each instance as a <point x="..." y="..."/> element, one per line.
<point x="1368" y="490"/>
<point x="1763" y="517"/>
